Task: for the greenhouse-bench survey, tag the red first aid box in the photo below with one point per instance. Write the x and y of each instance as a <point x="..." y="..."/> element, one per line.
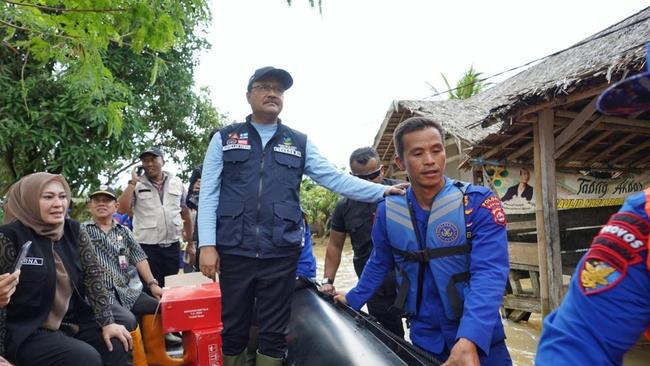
<point x="191" y="306"/>
<point x="203" y="347"/>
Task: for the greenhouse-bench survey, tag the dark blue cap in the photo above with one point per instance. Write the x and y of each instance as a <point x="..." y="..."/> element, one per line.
<point x="153" y="151"/>
<point x="285" y="77"/>
<point x="630" y="95"/>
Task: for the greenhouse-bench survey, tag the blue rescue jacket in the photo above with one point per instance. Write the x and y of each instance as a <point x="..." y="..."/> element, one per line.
<point x="259" y="209"/>
<point x="607" y="307"/>
<point x="445" y="248"/>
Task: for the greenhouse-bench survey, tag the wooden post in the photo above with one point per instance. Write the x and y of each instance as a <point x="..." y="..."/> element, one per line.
<point x="548" y="226"/>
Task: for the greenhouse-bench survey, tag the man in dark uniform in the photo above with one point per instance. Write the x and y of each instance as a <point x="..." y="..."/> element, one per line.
<point x="250" y="221"/>
<point x="607" y="307"/>
<point x="356" y="218"/>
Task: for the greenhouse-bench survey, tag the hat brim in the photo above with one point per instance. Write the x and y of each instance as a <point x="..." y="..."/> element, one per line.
<point x="628" y="96"/>
<point x="284" y="77"/>
<point x="149" y="152"/>
<point x="105" y="193"/>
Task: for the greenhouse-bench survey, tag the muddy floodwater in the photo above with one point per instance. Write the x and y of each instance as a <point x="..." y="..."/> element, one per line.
<point x="522" y="337"/>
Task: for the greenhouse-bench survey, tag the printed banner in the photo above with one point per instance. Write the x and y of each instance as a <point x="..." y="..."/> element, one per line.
<point x="515" y="187"/>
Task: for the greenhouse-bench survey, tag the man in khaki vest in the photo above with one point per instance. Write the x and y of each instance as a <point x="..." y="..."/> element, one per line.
<point x="156" y="201"/>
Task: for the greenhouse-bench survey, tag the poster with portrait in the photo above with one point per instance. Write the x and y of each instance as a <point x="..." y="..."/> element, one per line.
<point x="514" y="185"/>
<point x="516" y="188"/>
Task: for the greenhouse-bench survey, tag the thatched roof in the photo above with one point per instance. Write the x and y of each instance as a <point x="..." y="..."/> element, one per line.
<point x="567" y="82"/>
<point x="451" y="114"/>
<point x="606" y="56"/>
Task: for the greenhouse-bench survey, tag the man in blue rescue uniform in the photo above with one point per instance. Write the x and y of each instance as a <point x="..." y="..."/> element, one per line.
<point x="250" y="222"/>
<point x="607" y="307"/>
<point x="447" y="240"/>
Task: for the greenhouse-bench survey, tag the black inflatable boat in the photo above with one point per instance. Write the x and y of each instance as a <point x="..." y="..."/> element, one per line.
<point x="324" y="333"/>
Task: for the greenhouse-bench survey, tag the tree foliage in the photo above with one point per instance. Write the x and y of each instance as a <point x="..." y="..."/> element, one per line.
<point x="74" y="35"/>
<point x="318" y="203"/>
<point x="88" y="84"/>
<point x="469" y="84"/>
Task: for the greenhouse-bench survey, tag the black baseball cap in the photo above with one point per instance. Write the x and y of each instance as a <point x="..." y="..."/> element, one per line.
<point x="105" y="191"/>
<point x="283" y="75"/>
<point x="153" y="151"/>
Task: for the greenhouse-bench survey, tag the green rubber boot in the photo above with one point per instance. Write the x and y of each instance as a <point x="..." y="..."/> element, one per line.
<point x="251" y="349"/>
<point x="236" y="360"/>
<point x="264" y="360"/>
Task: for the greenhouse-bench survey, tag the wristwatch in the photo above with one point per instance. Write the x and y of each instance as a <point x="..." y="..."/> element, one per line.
<point x="152" y="282"/>
<point x="326" y="281"/>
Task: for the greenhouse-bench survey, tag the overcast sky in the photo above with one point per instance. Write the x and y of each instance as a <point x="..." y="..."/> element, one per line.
<point x="352" y="61"/>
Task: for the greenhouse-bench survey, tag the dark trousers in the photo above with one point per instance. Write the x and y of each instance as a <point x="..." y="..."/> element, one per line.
<point x="270" y="282"/>
<point x="145" y="304"/>
<point x="85" y="348"/>
<point x="380" y="303"/>
<point x="162" y="260"/>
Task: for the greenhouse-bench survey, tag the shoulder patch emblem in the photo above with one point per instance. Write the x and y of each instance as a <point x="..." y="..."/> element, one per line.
<point x="493" y="203"/>
<point x="603" y="268"/>
<point x="597" y="276"/>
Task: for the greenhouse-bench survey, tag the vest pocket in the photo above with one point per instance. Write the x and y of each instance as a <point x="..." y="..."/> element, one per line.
<point x="30" y="279"/>
<point x="230" y="223"/>
<point x="288" y="160"/>
<point x="148" y="222"/>
<point x="287" y="228"/>
<point x="236" y="155"/>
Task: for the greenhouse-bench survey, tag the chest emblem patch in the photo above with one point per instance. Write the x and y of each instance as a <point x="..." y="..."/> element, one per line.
<point x="447" y="232"/>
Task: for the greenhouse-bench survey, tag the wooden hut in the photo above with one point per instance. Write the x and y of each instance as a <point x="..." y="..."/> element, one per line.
<point x="545" y="119"/>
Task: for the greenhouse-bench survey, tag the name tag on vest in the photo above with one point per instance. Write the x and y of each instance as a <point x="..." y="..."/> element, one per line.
<point x="236" y="147"/>
<point x="32" y="261"/>
<point x="288" y="150"/>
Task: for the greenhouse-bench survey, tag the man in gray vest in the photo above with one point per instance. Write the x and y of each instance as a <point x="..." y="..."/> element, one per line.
<point x="250" y="223"/>
<point x="156" y="201"/>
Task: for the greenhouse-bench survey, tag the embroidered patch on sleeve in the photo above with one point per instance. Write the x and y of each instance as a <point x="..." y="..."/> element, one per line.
<point x="625" y="234"/>
<point x="601" y="270"/>
<point x="493" y="203"/>
<point x="597" y="276"/>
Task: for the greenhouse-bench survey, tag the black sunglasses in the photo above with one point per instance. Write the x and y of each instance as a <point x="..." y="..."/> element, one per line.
<point x="369" y="176"/>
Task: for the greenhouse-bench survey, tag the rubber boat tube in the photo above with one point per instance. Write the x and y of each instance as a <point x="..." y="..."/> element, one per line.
<point x="323" y="333"/>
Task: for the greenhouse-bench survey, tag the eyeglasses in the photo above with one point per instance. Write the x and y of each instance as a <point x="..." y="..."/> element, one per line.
<point x="266" y="88"/>
<point x="369" y="176"/>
